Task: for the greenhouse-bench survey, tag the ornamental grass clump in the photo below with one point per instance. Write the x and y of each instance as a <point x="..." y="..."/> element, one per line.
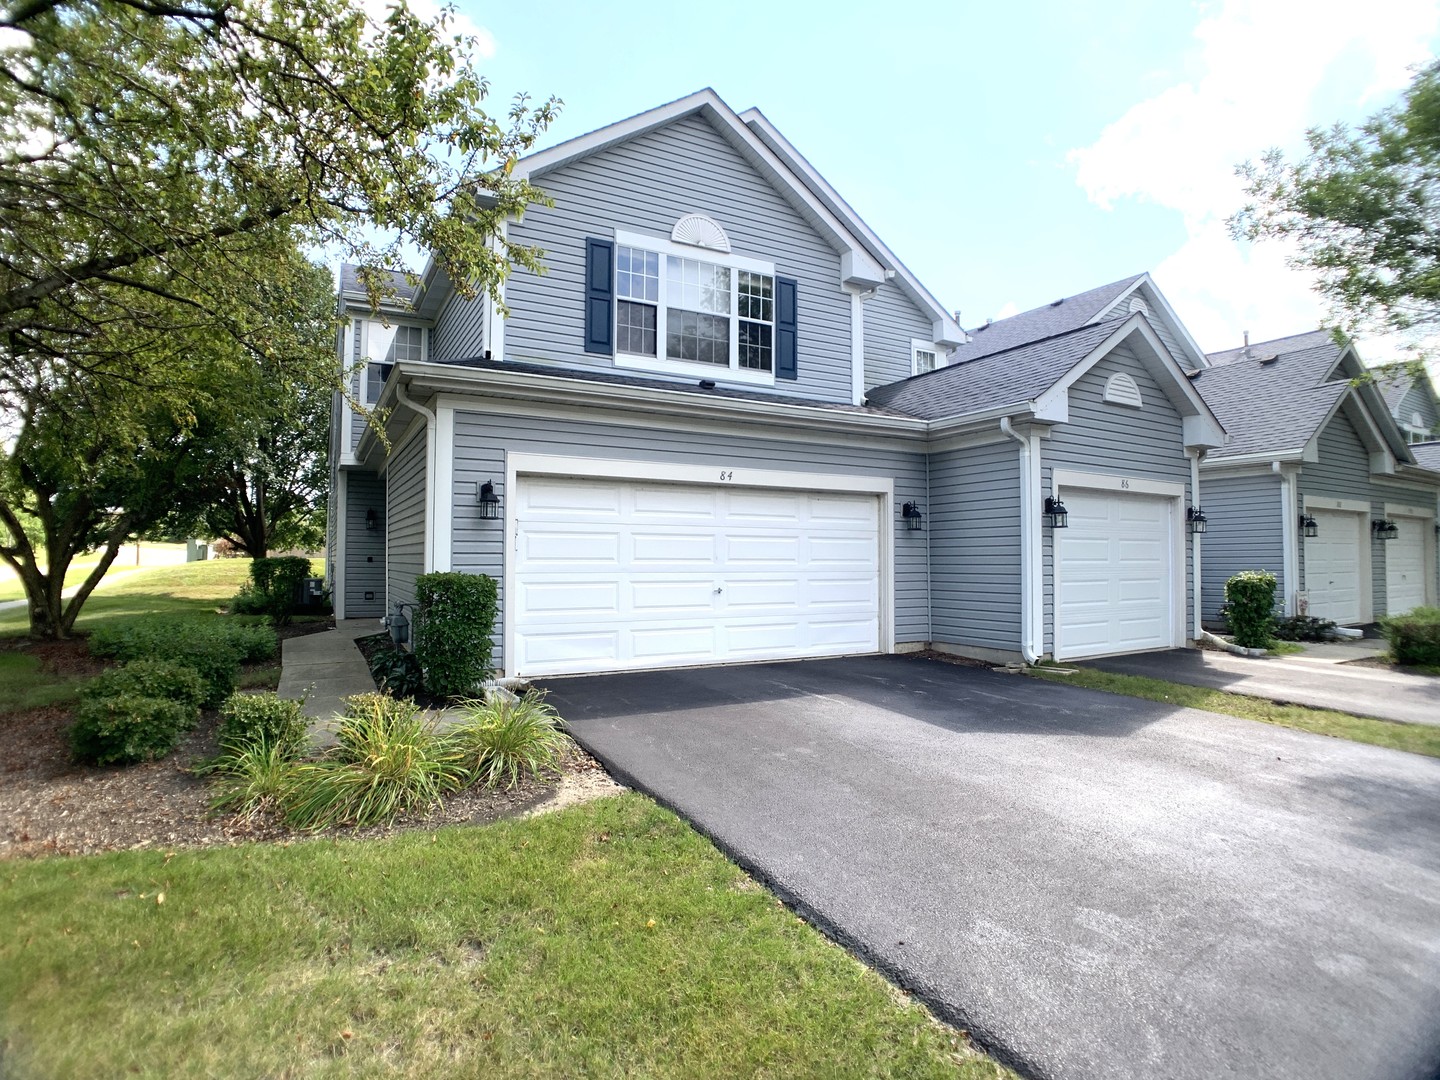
<point x="253" y="779"/>
<point x="389" y="760"/>
<point x="503" y="737"/>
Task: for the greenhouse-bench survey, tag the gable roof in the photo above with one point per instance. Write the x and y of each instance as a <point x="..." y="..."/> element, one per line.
<point x="1037" y="324"/>
<point x="395" y="285"/>
<point x="1427" y="455"/>
<point x="1395" y="380"/>
<point x="1274" y="397"/>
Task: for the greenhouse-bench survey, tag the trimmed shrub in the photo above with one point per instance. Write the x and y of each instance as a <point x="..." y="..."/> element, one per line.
<point x="263" y="720"/>
<point x="172" y="680"/>
<point x="1414" y="636"/>
<point x="500" y="738"/>
<point x="277" y="582"/>
<point x="249" y="602"/>
<point x="389" y="760"/>
<point x="165" y="637"/>
<point x="127" y="728"/>
<point x="1250" y="600"/>
<point x="1304" y="628"/>
<point x="453" y="641"/>
<point x="396" y="672"/>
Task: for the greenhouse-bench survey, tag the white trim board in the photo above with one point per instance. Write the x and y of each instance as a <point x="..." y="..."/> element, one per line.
<point x="523" y="464"/>
<point x="1330" y="502"/>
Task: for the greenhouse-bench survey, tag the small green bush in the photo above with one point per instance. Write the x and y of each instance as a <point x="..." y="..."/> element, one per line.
<point x="251" y="720"/>
<point x="127" y="728"/>
<point x="396" y="672"/>
<point x="453" y="632"/>
<point x="389" y="760"/>
<point x="249" y="602"/>
<point x="278" y="582"/>
<point x="172" y="680"/>
<point x="1414" y="636"/>
<point x="1303" y="628"/>
<point x="500" y="738"/>
<point x="164" y="637"/>
<point x="1250" y="600"/>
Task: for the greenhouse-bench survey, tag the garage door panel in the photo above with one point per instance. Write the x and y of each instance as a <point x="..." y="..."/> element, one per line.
<point x="1113" y="566"/>
<point x="1333" y="565"/>
<point x="569" y="498"/>
<point x="797" y="574"/>
<point x="1405" y="576"/>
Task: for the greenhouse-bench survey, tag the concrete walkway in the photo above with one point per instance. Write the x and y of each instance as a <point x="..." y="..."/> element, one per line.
<point x="1319" y="677"/>
<point x="327" y="667"/>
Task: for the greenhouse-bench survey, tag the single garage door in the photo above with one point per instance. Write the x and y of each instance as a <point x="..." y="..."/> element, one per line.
<point x="1405" y="565"/>
<point x="1332" y="565"/>
<point x="615" y="575"/>
<point x="1115" y="577"/>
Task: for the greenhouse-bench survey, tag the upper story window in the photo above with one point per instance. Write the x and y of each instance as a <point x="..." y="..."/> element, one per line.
<point x="678" y="312"/>
<point x="924" y="356"/>
<point x="405" y="343"/>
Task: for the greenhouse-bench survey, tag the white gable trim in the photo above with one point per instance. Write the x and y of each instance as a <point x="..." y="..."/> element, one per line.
<point x="946" y="330"/>
<point x="1382" y="461"/>
<point x="1154" y="295"/>
<point x="1201" y="428"/>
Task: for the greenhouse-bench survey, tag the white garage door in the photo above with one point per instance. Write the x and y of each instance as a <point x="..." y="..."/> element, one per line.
<point x="611" y="575"/>
<point x="1405" y="565"/>
<point x="1114" y="575"/>
<point x="1332" y="565"/>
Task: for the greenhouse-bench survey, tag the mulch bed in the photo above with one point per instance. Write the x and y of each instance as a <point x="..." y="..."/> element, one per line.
<point x="50" y="806"/>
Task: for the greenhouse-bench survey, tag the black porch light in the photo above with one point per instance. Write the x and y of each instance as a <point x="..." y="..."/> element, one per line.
<point x="372" y="520"/>
<point x="1384" y="529"/>
<point x="488" y="500"/>
<point x="914" y="520"/>
<point x="1056" y="516"/>
<point x="1197" y="519"/>
<point x="1308" y="524"/>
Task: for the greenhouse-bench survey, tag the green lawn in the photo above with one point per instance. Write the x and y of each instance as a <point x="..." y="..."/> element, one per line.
<point x="11" y="589"/>
<point x="24" y="686"/>
<point x="1416" y="738"/>
<point x="187" y="589"/>
<point x="607" y="940"/>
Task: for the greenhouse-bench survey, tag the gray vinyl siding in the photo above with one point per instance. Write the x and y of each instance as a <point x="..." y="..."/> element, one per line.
<point x="405" y="483"/>
<point x="364" y="548"/>
<point x="459" y="332"/>
<point x="974" y="528"/>
<point x="1148" y="443"/>
<point x="482" y="440"/>
<point x="645" y="185"/>
<point x="1246" y="531"/>
<point x="891" y="322"/>
<point x="353" y="420"/>
<point x="1416" y="400"/>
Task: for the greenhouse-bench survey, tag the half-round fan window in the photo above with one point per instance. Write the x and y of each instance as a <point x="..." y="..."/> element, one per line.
<point x="697" y="230"/>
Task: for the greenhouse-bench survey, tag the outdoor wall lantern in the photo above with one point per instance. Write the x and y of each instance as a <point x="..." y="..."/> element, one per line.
<point x="372" y="520"/>
<point x="914" y="520"/>
<point x="1056" y="516"/>
<point x="1197" y="519"/>
<point x="488" y="500"/>
<point x="1384" y="529"/>
<point x="1308" y="524"/>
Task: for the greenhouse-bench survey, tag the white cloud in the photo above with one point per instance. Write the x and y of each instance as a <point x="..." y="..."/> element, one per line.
<point x="1260" y="68"/>
<point x="429" y="10"/>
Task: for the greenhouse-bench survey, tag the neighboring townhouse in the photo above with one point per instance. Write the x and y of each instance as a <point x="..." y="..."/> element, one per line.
<point x="1410" y="397"/>
<point x="1317" y="484"/>
<point x="728" y="424"/>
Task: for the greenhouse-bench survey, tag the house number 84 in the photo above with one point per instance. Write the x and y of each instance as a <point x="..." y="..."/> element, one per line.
<point x="727" y="474"/>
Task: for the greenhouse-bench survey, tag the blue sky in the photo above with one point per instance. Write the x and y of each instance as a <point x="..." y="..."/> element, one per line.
<point x="1009" y="154"/>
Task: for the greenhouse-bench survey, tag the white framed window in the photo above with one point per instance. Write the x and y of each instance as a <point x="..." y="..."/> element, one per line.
<point x="924" y="356"/>
<point x="399" y="343"/>
<point x="686" y="310"/>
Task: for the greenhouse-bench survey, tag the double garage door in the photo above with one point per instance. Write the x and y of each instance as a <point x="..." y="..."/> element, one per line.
<point x="1115" y="575"/>
<point x="614" y="575"/>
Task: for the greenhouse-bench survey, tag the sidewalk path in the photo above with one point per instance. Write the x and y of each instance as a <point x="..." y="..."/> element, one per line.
<point x="327" y="667"/>
<point x="108" y="579"/>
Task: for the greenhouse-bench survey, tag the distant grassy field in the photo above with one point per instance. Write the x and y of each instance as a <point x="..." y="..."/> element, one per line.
<point x="11" y="589"/>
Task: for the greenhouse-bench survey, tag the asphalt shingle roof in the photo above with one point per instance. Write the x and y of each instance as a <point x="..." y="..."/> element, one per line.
<point x="1012" y="377"/>
<point x="350" y="283"/>
<point x="1271" y="404"/>
<point x="1060" y="317"/>
<point x="1427" y="454"/>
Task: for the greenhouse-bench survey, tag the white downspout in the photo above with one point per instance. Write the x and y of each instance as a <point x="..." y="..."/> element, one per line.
<point x="1032" y="567"/>
<point x="428" y="562"/>
<point x="1289" y="526"/>
<point x="1195" y="585"/>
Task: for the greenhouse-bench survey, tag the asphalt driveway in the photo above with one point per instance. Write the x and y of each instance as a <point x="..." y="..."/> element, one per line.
<point x="1096" y="886"/>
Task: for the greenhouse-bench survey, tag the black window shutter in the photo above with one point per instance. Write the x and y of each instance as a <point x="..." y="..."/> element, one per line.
<point x="787" y="319"/>
<point x="599" y="296"/>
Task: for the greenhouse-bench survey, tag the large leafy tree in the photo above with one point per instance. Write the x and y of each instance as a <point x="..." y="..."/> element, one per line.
<point x="157" y="160"/>
<point x="1363" y="209"/>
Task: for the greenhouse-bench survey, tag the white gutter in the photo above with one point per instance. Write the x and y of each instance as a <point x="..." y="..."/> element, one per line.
<point x="428" y="562"/>
<point x="1032" y="556"/>
<point x="1195" y="585"/>
<point x="1289" y="530"/>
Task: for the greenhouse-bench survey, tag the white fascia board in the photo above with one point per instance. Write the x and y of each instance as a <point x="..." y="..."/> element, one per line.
<point x="1148" y="283"/>
<point x="1019" y="412"/>
<point x="448" y="378"/>
<point x="946" y="330"/>
<point x="1417" y="473"/>
<point x="1291" y="454"/>
<point x="1201" y="428"/>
